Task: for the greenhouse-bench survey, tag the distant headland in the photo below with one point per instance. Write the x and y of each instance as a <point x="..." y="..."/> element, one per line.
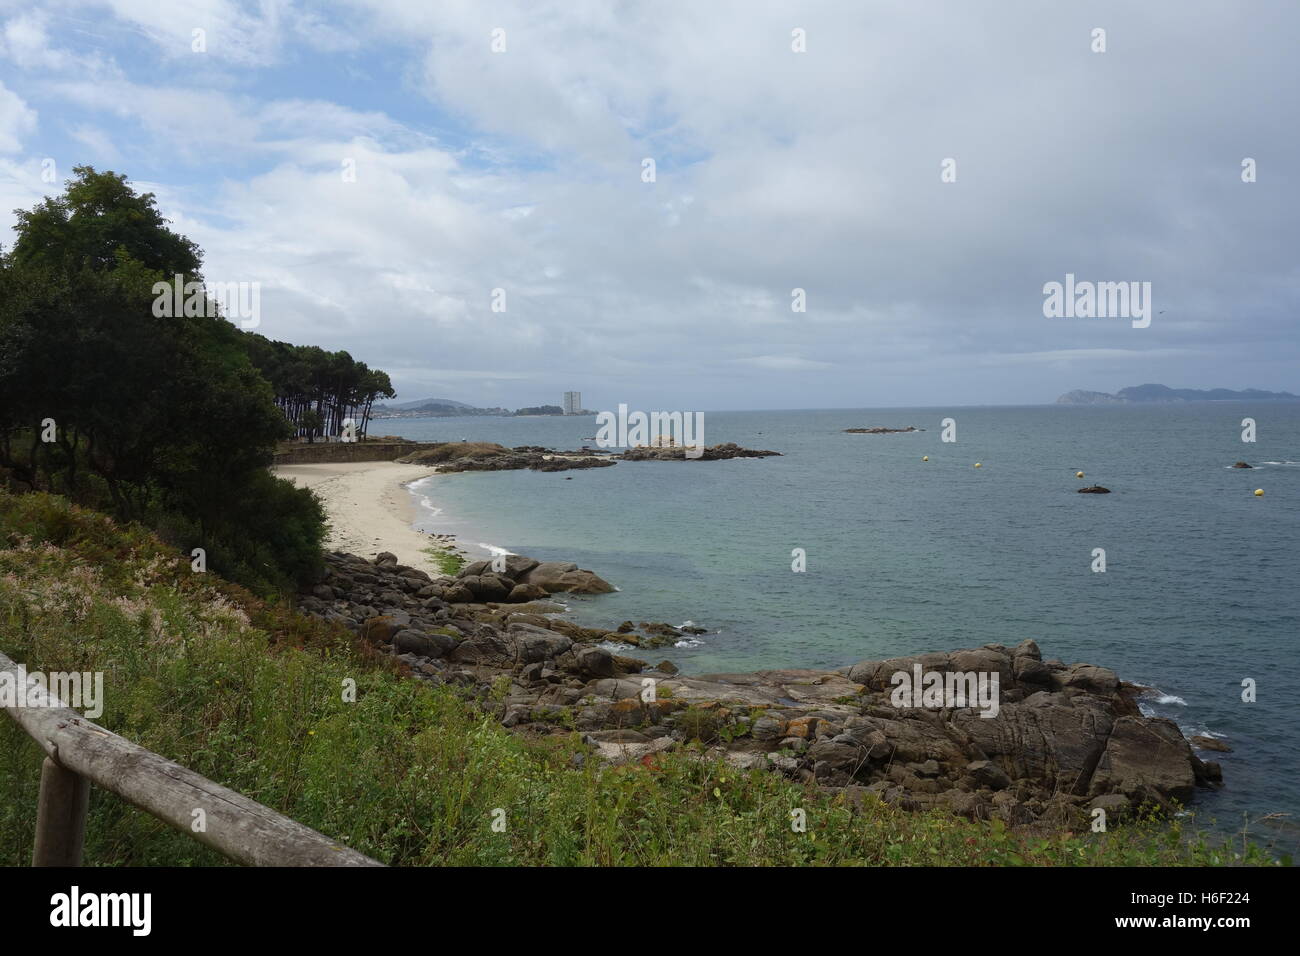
<point x="1158" y="394"/>
<point x="447" y="408"/>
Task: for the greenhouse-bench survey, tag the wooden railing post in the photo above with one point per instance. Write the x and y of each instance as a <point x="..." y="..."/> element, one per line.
<point x="60" y="816"/>
<point x="80" y="752"/>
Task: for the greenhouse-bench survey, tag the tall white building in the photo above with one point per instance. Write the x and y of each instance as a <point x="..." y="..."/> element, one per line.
<point x="572" y="403"/>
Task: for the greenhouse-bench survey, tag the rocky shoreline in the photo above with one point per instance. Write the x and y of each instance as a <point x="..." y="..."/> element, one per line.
<point x="1064" y="741"/>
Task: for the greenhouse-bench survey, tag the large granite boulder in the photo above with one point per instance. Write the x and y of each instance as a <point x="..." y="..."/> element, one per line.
<point x="557" y="576"/>
<point x="1147" y="760"/>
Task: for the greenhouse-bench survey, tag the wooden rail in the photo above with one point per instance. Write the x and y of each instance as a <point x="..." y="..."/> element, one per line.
<point x="79" y="753"/>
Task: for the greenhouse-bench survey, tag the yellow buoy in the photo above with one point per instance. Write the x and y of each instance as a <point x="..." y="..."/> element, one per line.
<point x="1259" y="492"/>
<point x="925" y="457"/>
<point x="1078" y="474"/>
<point x="978" y="465"/>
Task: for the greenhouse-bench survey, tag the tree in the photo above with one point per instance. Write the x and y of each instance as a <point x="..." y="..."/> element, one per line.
<point x="312" y="422"/>
<point x="157" y="418"/>
<point x="330" y="387"/>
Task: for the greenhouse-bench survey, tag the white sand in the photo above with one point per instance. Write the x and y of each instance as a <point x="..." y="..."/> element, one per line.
<point x="370" y="509"/>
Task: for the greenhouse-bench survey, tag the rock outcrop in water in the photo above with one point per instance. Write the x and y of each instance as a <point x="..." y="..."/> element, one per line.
<point x="882" y="430"/>
<point x="1094" y="490"/>
<point x="721" y="452"/>
<point x="487" y="456"/>
<point x="1064" y="740"/>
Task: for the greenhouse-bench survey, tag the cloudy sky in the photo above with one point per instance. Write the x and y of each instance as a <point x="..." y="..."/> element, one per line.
<point x="522" y="169"/>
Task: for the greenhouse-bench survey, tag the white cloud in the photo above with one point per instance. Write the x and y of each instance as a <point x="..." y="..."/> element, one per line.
<point x="17" y="120"/>
<point x="24" y="40"/>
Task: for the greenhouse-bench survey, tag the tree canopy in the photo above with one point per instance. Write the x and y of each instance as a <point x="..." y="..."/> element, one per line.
<point x="171" y="420"/>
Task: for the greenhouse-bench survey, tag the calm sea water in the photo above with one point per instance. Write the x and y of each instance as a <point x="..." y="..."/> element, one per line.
<point x="905" y="556"/>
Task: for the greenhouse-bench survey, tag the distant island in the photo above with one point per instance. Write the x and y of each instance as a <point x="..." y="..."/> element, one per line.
<point x="432" y="408"/>
<point x="1159" y="394"/>
<point x="448" y="408"/>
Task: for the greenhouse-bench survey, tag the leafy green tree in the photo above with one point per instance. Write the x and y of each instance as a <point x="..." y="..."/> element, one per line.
<point x="160" y="418"/>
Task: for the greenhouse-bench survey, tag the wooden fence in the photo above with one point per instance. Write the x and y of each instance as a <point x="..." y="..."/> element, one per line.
<point x="79" y="753"/>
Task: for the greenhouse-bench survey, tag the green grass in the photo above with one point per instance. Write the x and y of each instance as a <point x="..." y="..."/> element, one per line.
<point x="448" y="561"/>
<point x="250" y="695"/>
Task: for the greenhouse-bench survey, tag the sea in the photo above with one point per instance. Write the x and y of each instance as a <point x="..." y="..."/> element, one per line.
<point x="1198" y="600"/>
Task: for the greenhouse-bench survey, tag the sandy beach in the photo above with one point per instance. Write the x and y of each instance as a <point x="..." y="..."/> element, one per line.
<point x="370" y="510"/>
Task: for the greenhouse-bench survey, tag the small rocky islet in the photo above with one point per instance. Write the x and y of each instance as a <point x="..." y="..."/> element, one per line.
<point x="882" y="430"/>
<point x="1067" y="739"/>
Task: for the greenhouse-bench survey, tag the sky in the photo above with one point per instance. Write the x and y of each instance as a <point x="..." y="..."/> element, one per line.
<point x="920" y="170"/>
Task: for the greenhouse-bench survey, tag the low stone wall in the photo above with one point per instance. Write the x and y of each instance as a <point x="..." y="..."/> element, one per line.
<point x="337" y="451"/>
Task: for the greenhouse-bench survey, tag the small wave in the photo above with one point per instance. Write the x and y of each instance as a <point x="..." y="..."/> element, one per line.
<point x="493" y="550"/>
<point x="689" y="642"/>
<point x="616" y="647"/>
<point x="1292" y="463"/>
<point x="1152" y="694"/>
